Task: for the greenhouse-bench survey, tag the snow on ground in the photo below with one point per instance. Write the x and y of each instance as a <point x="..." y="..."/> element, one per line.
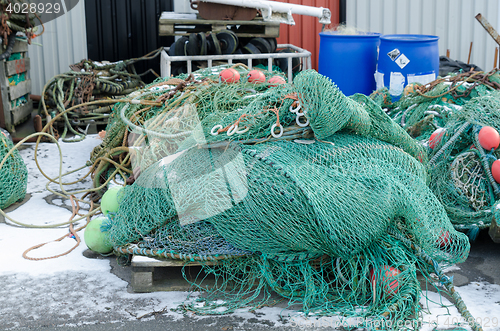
<point x="75" y="290"/>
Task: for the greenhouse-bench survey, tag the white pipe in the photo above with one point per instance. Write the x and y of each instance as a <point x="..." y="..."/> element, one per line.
<point x="268" y="7"/>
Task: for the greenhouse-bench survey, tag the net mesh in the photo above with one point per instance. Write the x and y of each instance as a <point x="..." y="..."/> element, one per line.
<point x="462" y="178"/>
<point x="288" y="190"/>
<point x="459" y="168"/>
<point x="13" y="174"/>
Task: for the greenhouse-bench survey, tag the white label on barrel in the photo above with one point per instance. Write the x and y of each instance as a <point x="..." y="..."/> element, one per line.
<point x="402" y="61"/>
<point x="394" y="54"/>
<point x="396" y="83"/>
<point x="379" y="79"/>
<point x="422" y="79"/>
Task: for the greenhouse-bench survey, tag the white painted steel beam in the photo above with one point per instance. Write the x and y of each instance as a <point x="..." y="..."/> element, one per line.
<point x="280" y="11"/>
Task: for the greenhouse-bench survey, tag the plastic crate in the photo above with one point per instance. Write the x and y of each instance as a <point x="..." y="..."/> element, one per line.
<point x="15" y="104"/>
<point x="303" y="55"/>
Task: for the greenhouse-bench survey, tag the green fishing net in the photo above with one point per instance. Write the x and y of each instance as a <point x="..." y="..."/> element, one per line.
<point x="461" y="177"/>
<point x="459" y="169"/>
<point x="13" y="174"/>
<point x="293" y="190"/>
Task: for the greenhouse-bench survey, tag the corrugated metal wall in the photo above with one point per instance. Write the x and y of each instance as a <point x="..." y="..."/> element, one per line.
<point x="64" y="42"/>
<point x="305" y="32"/>
<point x="452" y="20"/>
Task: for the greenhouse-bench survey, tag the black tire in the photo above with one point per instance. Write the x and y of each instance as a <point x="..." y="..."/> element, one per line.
<point x="171" y="50"/>
<point x="262" y="44"/>
<point x="178" y="68"/>
<point x="228" y="41"/>
<point x="180" y="46"/>
<point x="214" y="44"/>
<point x="252" y="49"/>
<point x="273" y="43"/>
<point x="192" y="47"/>
<point x="202" y="42"/>
<point x="283" y="62"/>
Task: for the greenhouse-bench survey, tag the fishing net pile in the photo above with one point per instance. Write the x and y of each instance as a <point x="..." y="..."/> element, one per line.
<point x="289" y="189"/>
<point x="446" y="116"/>
<point x="13" y="174"/>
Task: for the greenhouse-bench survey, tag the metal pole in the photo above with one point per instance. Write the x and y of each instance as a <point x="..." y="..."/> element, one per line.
<point x="487" y="26"/>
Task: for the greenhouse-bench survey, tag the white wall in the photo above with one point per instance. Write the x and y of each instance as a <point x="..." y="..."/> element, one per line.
<point x="183" y="6"/>
<point x="64" y="42"/>
<point x="452" y="20"/>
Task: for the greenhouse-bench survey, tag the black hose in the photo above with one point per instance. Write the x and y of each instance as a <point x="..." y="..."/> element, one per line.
<point x="10" y="46"/>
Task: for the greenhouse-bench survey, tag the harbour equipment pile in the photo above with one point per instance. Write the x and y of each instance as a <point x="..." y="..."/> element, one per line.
<point x="292" y="189"/>
<point x="89" y="81"/>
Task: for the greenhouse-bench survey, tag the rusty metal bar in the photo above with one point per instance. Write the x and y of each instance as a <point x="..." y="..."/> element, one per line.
<point x="487" y="26"/>
<point x="470" y="51"/>
<point x="496" y="58"/>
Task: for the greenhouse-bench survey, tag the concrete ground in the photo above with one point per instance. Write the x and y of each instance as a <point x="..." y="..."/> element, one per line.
<point x="483" y="265"/>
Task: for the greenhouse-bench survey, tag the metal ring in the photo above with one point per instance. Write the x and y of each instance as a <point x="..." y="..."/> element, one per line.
<point x="218" y="126"/>
<point x="299" y="123"/>
<point x="274" y="134"/>
<point x="232" y="129"/>
<point x="243" y="131"/>
<point x="296" y="109"/>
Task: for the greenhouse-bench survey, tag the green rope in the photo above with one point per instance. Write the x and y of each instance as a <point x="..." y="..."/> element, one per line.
<point x="444" y="279"/>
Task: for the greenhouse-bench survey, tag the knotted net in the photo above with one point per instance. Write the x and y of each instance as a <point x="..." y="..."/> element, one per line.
<point x="317" y="197"/>
<point x="13" y="174"/>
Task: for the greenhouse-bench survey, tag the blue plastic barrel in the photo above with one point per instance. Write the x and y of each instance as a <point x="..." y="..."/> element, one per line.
<point x="404" y="59"/>
<point x="349" y="60"/>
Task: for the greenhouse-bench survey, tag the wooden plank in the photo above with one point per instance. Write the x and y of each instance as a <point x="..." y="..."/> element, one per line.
<point x="165" y="30"/>
<point x="20" y="114"/>
<point x="154" y="274"/>
<point x="144" y="261"/>
<point x="17" y="66"/>
<point x="20" y="46"/>
<point x="20" y="89"/>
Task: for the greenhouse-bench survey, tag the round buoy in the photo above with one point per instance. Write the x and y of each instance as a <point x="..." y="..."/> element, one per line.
<point x="256" y="76"/>
<point x="229" y="75"/>
<point x="495" y="170"/>
<point x="95" y="239"/>
<point x="110" y="200"/>
<point x="444" y="239"/>
<point x="386" y="276"/>
<point x="488" y="138"/>
<point x="436" y="137"/>
<point x="276" y="80"/>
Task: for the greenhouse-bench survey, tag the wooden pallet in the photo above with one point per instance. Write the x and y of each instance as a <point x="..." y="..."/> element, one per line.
<point x="175" y="24"/>
<point x="152" y="275"/>
<point x="9" y="116"/>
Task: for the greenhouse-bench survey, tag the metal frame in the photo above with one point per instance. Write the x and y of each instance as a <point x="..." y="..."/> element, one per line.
<point x="279" y="11"/>
<point x="166" y="60"/>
